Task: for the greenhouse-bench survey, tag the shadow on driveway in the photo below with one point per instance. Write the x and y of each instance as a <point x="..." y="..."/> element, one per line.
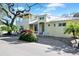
<point x="56" y="45"/>
<point x="12" y="40"/>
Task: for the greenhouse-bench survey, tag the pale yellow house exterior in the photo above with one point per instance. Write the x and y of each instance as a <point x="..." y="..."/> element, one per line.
<point x="47" y="25"/>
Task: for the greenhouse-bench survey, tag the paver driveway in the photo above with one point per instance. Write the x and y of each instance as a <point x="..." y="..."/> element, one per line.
<point x="10" y="46"/>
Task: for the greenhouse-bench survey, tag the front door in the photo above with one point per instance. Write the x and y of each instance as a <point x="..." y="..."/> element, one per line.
<point x="41" y="28"/>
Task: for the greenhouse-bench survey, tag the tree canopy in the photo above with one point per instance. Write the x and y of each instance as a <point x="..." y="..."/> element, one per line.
<point x="9" y="14"/>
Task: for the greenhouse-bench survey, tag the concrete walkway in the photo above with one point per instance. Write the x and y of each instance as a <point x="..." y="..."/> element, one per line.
<point x="10" y="46"/>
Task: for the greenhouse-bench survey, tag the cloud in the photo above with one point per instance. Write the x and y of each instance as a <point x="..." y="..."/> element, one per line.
<point x="52" y="7"/>
<point x="55" y="5"/>
<point x="20" y="8"/>
<point x="49" y="9"/>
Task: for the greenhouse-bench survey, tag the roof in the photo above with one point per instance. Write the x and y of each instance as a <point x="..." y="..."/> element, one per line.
<point x="34" y="21"/>
<point x="55" y="18"/>
<point x="62" y="18"/>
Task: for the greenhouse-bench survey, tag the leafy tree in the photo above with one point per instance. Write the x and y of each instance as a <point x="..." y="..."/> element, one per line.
<point x="9" y="29"/>
<point x="72" y="28"/>
<point x="11" y="14"/>
<point x="76" y="14"/>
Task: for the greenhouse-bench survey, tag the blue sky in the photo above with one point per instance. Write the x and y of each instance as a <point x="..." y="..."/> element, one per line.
<point x="56" y="9"/>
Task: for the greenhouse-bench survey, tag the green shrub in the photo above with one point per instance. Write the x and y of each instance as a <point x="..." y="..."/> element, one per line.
<point x="14" y="28"/>
<point x="28" y="35"/>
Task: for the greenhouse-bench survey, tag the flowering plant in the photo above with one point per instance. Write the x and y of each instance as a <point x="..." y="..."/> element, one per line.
<point x="26" y="31"/>
<point x="28" y="35"/>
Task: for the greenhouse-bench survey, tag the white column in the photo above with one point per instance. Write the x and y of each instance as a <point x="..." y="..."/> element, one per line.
<point x="38" y="25"/>
<point x="28" y="22"/>
<point x="45" y="29"/>
<point x="38" y="28"/>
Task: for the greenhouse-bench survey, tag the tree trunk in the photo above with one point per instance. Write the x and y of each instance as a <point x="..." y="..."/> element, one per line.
<point x="11" y="24"/>
<point x="9" y="33"/>
<point x="74" y="36"/>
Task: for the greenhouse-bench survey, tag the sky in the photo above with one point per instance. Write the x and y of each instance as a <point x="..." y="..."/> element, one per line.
<point x="56" y="9"/>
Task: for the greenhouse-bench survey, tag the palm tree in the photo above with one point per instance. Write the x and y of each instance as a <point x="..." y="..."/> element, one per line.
<point x="72" y="28"/>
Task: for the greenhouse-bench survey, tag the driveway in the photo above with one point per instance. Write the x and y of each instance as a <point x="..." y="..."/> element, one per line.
<point x="11" y="46"/>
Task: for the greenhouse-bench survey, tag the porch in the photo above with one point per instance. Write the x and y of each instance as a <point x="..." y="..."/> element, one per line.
<point x="38" y="28"/>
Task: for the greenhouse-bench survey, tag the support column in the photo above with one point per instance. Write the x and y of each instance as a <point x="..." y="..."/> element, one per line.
<point x="33" y="28"/>
<point x="28" y="20"/>
<point x="45" y="28"/>
<point x="38" y="28"/>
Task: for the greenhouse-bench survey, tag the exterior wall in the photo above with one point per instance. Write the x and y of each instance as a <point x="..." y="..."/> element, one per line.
<point x="57" y="30"/>
<point x="32" y="27"/>
<point x="25" y="21"/>
<point x="22" y="22"/>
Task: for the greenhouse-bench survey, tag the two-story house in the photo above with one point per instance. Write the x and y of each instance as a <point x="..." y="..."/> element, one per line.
<point x="45" y="24"/>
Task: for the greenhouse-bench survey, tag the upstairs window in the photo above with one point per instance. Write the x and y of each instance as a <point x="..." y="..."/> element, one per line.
<point x="41" y="18"/>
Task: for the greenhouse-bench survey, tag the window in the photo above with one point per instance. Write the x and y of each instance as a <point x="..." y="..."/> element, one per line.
<point x="62" y="24"/>
<point x="41" y="18"/>
<point x="54" y="25"/>
<point x="48" y="24"/>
